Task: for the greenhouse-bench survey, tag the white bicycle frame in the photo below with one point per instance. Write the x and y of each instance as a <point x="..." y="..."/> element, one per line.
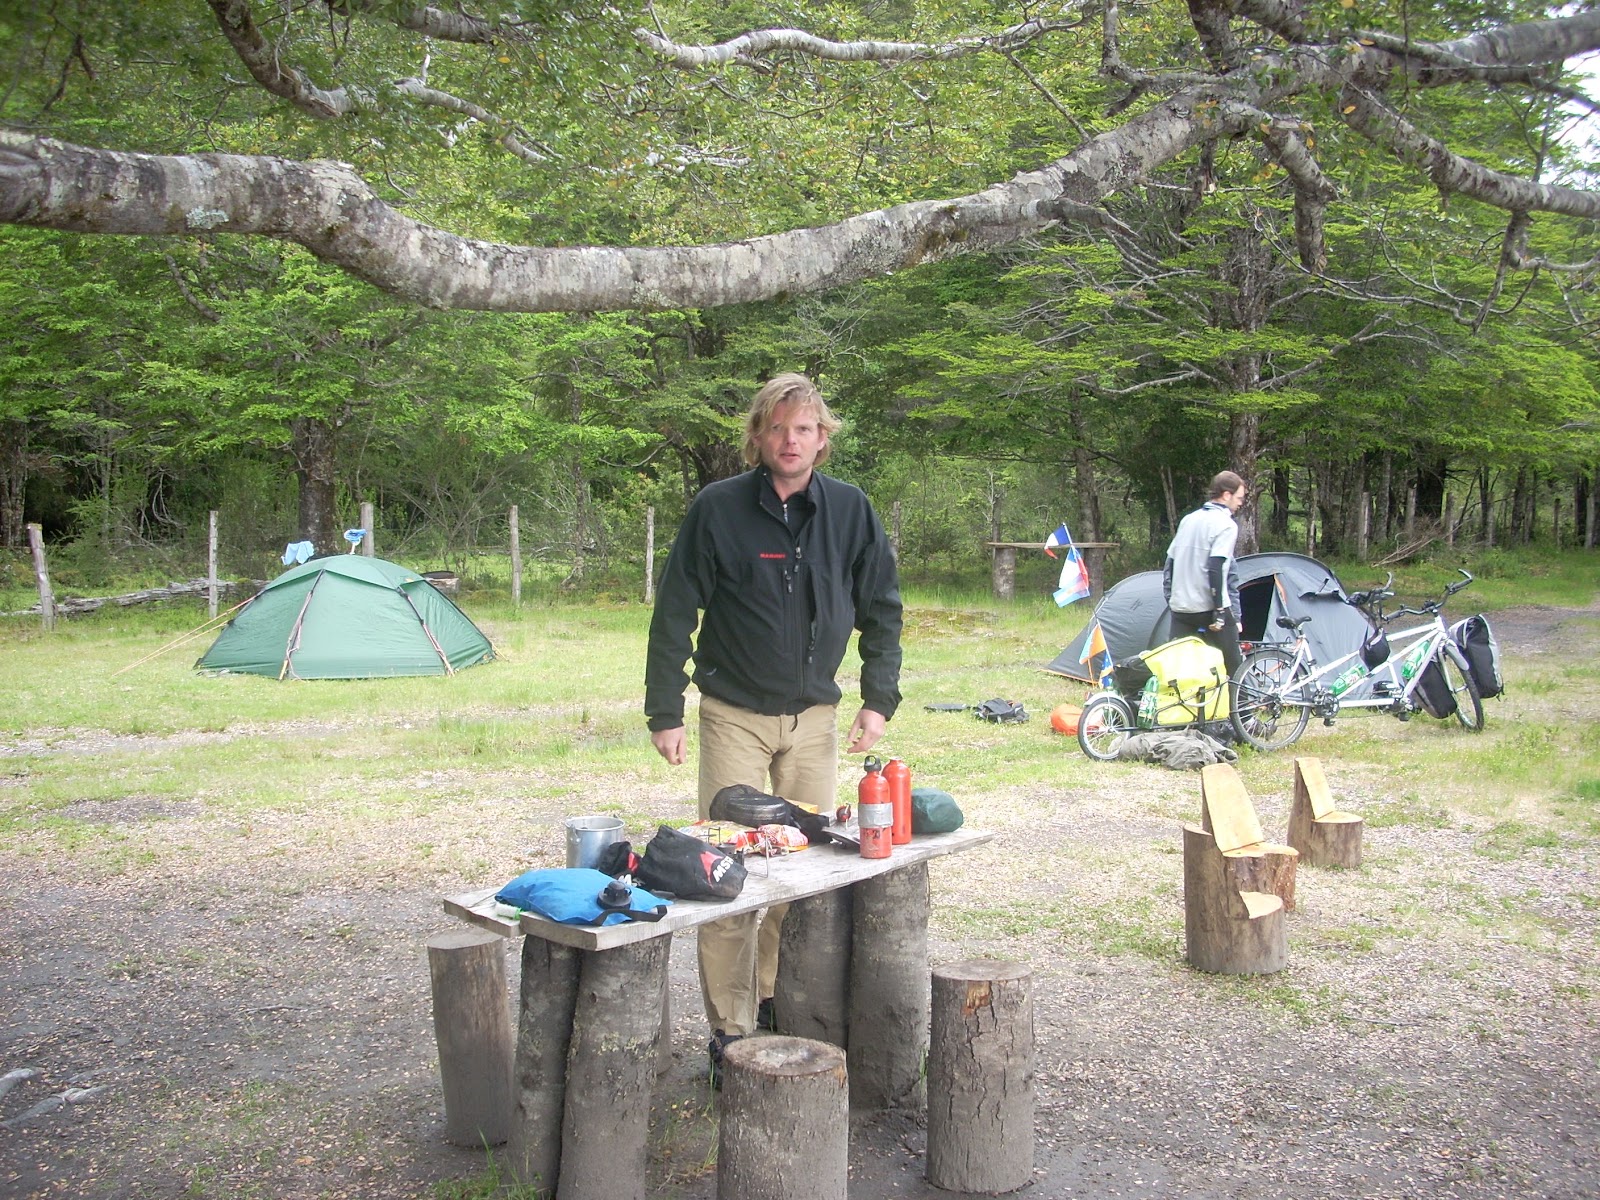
<point x="1311" y="690"/>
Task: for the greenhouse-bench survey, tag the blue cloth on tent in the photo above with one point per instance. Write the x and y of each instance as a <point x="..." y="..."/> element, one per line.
<point x="297" y="552"/>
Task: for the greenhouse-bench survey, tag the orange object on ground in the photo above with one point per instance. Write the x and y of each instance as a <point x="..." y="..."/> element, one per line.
<point x="1064" y="718"/>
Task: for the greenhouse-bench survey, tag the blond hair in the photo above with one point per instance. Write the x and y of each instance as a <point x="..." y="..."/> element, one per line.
<point x="790" y="388"/>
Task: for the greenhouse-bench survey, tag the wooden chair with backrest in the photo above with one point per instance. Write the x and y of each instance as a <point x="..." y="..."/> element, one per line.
<point x="1324" y="836"/>
<point x="1229" y="928"/>
<point x="1228" y="813"/>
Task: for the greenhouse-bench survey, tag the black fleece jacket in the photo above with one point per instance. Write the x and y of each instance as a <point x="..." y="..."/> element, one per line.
<point x="779" y="604"/>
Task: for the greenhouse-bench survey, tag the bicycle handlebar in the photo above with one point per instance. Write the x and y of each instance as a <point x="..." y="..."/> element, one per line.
<point x="1432" y="607"/>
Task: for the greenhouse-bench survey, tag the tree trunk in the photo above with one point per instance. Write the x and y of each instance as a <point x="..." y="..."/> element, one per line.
<point x="1084" y="476"/>
<point x="1281" y="501"/>
<point x="13" y="483"/>
<point x="312" y="441"/>
<point x="1383" y="516"/>
<point x="1244" y="448"/>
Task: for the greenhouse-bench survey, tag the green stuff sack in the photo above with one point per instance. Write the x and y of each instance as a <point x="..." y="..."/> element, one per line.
<point x="933" y="811"/>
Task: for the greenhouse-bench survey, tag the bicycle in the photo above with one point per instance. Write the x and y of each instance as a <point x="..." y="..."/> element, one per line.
<point x="1278" y="689"/>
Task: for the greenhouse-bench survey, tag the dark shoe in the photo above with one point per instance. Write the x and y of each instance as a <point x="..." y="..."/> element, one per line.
<point x="719" y="1043"/>
<point x="767" y="1016"/>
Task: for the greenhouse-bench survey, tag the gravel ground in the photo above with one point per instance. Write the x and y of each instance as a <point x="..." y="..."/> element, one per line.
<point x="243" y="1020"/>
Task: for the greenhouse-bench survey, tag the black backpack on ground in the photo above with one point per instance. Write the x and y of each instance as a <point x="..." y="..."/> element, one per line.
<point x="1482" y="652"/>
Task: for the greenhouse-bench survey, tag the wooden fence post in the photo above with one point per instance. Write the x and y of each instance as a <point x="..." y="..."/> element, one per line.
<point x="1449" y="519"/>
<point x="367" y="519"/>
<point x="894" y="533"/>
<point x="47" y="598"/>
<point x="515" y="526"/>
<point x="1363" y="525"/>
<point x="211" y="566"/>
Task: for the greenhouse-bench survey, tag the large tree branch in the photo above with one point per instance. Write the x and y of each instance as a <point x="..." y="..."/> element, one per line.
<point x="328" y="209"/>
<point x="429" y="21"/>
<point x="747" y="48"/>
<point x="260" y="58"/>
<point x="1453" y="174"/>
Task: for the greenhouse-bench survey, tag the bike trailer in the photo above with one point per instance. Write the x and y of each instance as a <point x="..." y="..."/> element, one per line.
<point x="1187" y="684"/>
<point x="1478" y="646"/>
<point x="1433" y="692"/>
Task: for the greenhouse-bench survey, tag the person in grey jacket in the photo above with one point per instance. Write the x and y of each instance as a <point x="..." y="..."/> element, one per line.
<point x="1197" y="578"/>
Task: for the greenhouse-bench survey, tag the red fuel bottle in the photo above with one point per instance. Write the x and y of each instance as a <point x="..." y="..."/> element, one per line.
<point x="874" y="812"/>
<point x="898" y="776"/>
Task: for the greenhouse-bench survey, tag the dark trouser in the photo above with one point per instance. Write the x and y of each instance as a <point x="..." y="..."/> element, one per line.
<point x="1225" y="639"/>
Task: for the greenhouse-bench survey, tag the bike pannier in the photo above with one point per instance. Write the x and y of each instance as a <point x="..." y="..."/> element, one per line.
<point x="1482" y="652"/>
<point x="1433" y="692"/>
<point x="1187" y="684"/>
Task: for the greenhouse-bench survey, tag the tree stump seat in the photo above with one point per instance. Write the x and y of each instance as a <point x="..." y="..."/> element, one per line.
<point x="1324" y="836"/>
<point x="1227" y="813"/>
<point x="1228" y="930"/>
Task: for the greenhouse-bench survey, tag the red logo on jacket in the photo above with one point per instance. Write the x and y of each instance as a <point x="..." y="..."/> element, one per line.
<point x="764" y="554"/>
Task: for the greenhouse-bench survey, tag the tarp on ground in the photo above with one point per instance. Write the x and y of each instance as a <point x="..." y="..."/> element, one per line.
<point x="347" y="617"/>
<point x="1134" y="617"/>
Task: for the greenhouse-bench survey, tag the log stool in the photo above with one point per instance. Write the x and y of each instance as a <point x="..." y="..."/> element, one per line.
<point x="980" y="1077"/>
<point x="472" y="1026"/>
<point x="785" y="1122"/>
<point x="1227" y="813"/>
<point x="1227" y="930"/>
<point x="1324" y="836"/>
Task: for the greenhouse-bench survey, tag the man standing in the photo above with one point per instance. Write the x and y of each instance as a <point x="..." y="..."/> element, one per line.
<point x="784" y="562"/>
<point x="1198" y="578"/>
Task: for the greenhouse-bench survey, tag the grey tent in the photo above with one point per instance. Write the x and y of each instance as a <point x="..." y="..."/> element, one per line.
<point x="1133" y="615"/>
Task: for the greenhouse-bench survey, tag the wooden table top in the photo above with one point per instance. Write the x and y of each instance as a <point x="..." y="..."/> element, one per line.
<point x="810" y="872"/>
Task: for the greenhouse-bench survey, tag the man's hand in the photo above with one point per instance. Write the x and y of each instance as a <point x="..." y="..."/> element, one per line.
<point x="672" y="744"/>
<point x="868" y="728"/>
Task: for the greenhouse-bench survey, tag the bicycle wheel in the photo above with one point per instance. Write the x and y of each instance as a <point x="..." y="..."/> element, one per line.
<point x="1103" y="725"/>
<point x="1469" y="705"/>
<point x="1261" y="715"/>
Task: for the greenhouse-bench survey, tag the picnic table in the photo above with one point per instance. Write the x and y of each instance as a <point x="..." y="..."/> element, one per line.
<point x="592" y="999"/>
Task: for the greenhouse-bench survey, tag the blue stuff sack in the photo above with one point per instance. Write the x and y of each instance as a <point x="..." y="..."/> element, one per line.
<point x="580" y="896"/>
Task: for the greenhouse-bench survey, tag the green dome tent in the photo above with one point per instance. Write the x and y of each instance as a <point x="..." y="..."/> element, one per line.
<point x="347" y="617"/>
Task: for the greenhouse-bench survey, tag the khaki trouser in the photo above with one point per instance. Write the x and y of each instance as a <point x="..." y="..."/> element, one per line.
<point x="800" y="754"/>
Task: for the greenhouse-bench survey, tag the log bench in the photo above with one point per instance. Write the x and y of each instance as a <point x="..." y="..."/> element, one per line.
<point x="1227" y="812"/>
<point x="589" y="1028"/>
<point x="1324" y="836"/>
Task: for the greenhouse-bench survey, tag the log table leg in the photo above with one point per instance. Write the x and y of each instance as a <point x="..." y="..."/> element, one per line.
<point x="611" y="1072"/>
<point x="785" y="1121"/>
<point x="544" y="1033"/>
<point x="813" y="992"/>
<point x="472" y="1027"/>
<point x="889" y="989"/>
<point x="980" y="1078"/>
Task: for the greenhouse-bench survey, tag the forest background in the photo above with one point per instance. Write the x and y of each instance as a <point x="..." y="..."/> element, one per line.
<point x="1424" y="374"/>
